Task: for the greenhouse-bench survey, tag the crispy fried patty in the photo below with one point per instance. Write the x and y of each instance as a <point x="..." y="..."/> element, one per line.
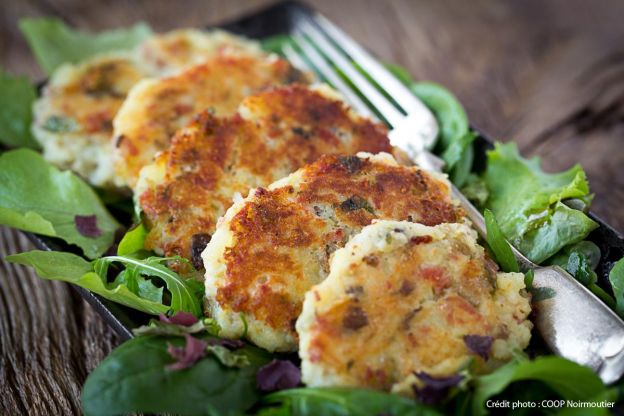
<point x="73" y="118"/>
<point x="191" y="185"/>
<point x="156" y="108"/>
<point x="270" y="248"/>
<point x="400" y="300"/>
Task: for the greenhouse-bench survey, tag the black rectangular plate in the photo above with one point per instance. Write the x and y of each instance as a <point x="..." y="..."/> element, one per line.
<point x="282" y="18"/>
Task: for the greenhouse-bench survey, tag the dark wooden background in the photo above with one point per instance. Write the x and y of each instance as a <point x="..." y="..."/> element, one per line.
<point x="547" y="74"/>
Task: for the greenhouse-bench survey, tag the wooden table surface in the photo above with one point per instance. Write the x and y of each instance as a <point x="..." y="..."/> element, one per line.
<point x="547" y="74"/>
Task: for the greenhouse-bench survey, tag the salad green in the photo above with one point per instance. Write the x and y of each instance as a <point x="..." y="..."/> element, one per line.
<point x="134" y="286"/>
<point x="616" y="277"/>
<point x="37" y="197"/>
<point x="54" y="43"/>
<point x="527" y="203"/>
<point x="135" y="378"/>
<point x="16" y="100"/>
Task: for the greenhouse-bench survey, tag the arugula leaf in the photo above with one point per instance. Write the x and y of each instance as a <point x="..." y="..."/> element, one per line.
<point x="567" y="379"/>
<point x="67" y="267"/>
<point x="616" y="278"/>
<point x="527" y="203"/>
<point x="500" y="247"/>
<point x="133" y="241"/>
<point x="16" y="100"/>
<point x="186" y="294"/>
<point x="54" y="43"/>
<point x="37" y="197"/>
<point x="134" y="378"/>
<point x="339" y="401"/>
<point x="132" y="287"/>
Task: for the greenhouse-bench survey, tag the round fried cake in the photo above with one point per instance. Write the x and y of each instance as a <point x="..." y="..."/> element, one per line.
<point x="73" y="118"/>
<point x="273" y="133"/>
<point x="156" y="108"/>
<point x="273" y="246"/>
<point x="403" y="299"/>
<point x="171" y="51"/>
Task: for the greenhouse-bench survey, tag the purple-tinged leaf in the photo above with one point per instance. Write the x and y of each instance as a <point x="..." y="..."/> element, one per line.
<point x="479" y="344"/>
<point x="278" y="375"/>
<point x="434" y="389"/>
<point x="180" y="318"/>
<point x="87" y="225"/>
<point x="186" y="356"/>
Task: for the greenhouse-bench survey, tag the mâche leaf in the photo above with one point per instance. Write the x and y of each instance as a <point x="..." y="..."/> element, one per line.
<point x="135" y="378"/>
<point x="567" y="379"/>
<point x="132" y="287"/>
<point x="527" y="203"/>
<point x="37" y="197"/>
<point x="54" y="43"/>
<point x="17" y="95"/>
<point x="340" y="401"/>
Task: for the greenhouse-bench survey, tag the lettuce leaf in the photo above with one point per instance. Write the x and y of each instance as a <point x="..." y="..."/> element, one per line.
<point x="54" y="43"/>
<point x="527" y="203"/>
<point x="16" y="99"/>
<point x="37" y="197"/>
<point x="133" y="287"/>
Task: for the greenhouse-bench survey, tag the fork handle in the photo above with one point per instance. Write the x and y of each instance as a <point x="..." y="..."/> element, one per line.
<point x="577" y="325"/>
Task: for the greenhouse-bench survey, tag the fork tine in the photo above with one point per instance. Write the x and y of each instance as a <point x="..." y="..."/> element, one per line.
<point x="297" y="60"/>
<point x="399" y="92"/>
<point x="389" y="112"/>
<point x="322" y="68"/>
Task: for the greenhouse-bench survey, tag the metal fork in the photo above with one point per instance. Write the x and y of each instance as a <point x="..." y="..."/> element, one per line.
<point x="574" y="322"/>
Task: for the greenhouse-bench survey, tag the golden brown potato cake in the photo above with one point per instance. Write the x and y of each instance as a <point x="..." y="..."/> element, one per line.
<point x="156" y="108"/>
<point x="404" y="299"/>
<point x="191" y="185"/>
<point x="73" y="118"/>
<point x="273" y="246"/>
<point x="171" y="51"/>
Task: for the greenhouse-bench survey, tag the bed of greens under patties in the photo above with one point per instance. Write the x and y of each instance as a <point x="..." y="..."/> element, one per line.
<point x="178" y="364"/>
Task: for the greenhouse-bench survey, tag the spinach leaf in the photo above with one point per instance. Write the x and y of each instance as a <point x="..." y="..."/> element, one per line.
<point x="339" y="401"/>
<point x="132" y="287"/>
<point x="54" y="43"/>
<point x="133" y="241"/>
<point x="616" y="278"/>
<point x="37" y="197"/>
<point x="527" y="203"/>
<point x="500" y="247"/>
<point x="67" y="267"/>
<point x="134" y="378"/>
<point x="567" y="379"/>
<point x="16" y="100"/>
<point x="455" y="144"/>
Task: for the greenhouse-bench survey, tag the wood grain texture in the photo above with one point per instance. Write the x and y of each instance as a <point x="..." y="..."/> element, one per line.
<point x="547" y="74"/>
